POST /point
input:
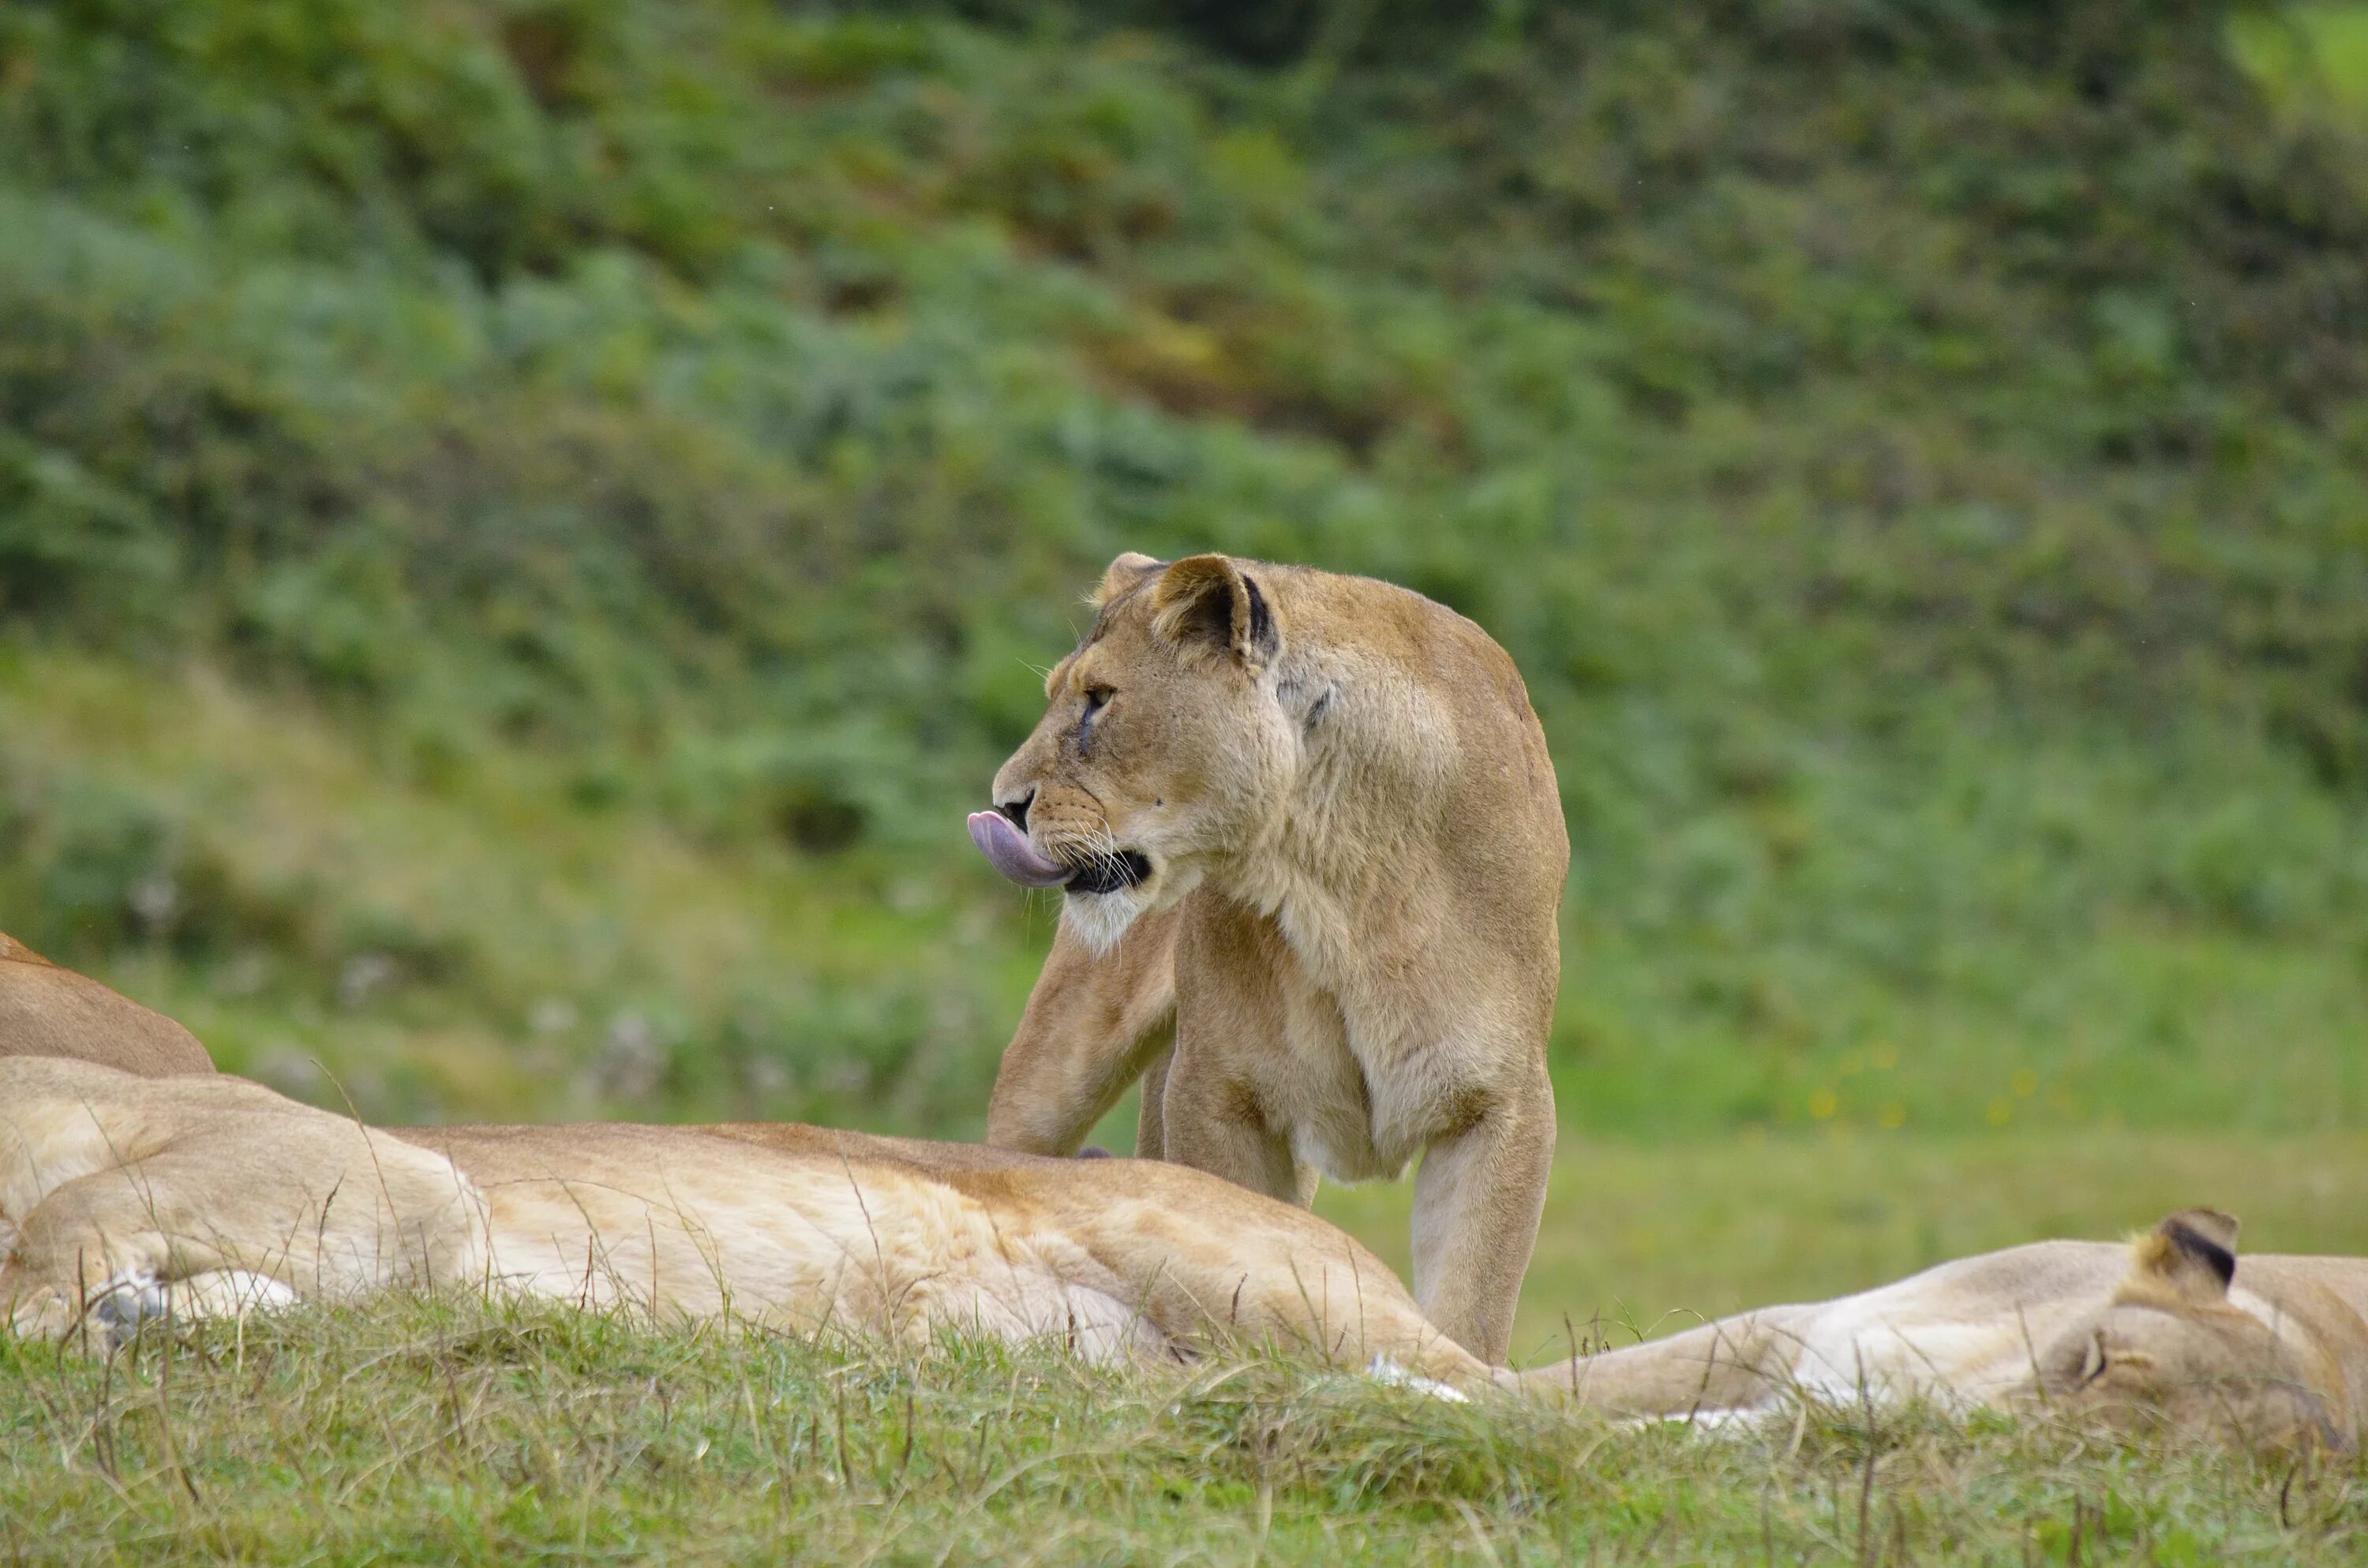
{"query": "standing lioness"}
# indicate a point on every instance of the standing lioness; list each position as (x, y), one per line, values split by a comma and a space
(1314, 816)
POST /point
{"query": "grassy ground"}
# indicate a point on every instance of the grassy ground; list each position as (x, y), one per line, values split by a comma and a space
(434, 1433)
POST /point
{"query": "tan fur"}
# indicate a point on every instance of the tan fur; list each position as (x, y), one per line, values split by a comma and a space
(1356, 861)
(135, 1196)
(46, 1010)
(2147, 1332)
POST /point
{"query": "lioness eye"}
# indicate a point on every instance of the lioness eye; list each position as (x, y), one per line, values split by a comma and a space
(2093, 1366)
(1096, 697)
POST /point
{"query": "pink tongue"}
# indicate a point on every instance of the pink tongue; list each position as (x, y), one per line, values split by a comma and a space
(1011, 854)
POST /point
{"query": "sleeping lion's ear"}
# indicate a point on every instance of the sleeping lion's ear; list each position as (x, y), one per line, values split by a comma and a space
(1124, 573)
(2192, 1254)
(1208, 600)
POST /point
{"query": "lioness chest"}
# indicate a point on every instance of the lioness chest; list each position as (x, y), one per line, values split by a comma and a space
(1360, 1084)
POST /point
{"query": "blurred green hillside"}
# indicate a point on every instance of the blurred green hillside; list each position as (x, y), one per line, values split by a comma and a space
(523, 523)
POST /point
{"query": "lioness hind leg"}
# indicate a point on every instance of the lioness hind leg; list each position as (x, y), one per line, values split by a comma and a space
(178, 1234)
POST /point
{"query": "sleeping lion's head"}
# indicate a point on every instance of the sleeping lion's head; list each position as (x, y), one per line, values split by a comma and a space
(2170, 1348)
(1163, 745)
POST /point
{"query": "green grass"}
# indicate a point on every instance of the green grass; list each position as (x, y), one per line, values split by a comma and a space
(520, 947)
(457, 1434)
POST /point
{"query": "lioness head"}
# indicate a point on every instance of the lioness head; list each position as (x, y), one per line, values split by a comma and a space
(2169, 1347)
(1163, 745)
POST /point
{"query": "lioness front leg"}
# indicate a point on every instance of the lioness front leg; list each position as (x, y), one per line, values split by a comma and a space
(1093, 1024)
(1736, 1365)
(1476, 1205)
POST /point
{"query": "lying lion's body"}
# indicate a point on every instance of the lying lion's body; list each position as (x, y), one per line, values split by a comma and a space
(46, 1010)
(199, 1195)
(1315, 815)
(2278, 1349)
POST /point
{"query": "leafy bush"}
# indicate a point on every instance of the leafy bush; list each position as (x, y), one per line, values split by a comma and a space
(1912, 451)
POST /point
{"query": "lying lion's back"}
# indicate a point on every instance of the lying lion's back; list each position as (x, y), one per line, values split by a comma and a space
(799, 1226)
(49, 1010)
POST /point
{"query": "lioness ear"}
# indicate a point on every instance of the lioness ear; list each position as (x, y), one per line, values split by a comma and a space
(2192, 1254)
(1124, 573)
(1207, 599)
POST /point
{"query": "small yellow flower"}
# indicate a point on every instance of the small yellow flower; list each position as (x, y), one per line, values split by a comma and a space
(1822, 1104)
(2025, 1083)
(2001, 1111)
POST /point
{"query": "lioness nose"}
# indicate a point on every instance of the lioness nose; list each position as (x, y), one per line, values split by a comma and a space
(1018, 809)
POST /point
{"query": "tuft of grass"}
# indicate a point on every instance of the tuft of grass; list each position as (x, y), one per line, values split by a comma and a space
(454, 1432)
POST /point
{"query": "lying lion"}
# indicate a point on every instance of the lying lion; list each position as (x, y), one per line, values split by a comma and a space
(2161, 1326)
(1312, 816)
(134, 1198)
(131, 1196)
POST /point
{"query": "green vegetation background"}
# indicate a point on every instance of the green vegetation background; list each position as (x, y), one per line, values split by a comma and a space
(525, 523)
